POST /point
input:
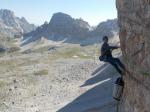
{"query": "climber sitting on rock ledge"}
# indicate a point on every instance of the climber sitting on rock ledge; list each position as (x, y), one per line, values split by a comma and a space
(106, 56)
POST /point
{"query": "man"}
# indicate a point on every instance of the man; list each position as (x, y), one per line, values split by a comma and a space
(106, 56)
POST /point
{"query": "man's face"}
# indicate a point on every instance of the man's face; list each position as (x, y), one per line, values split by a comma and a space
(105, 40)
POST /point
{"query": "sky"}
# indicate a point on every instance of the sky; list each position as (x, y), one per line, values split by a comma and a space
(39, 11)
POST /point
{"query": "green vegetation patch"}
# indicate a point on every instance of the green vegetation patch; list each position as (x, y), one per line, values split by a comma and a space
(2, 83)
(41, 72)
(70, 52)
(14, 49)
(41, 49)
(146, 73)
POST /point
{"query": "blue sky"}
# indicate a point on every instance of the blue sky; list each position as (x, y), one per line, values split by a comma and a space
(38, 11)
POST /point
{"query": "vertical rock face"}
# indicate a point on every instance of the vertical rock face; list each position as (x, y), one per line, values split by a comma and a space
(134, 22)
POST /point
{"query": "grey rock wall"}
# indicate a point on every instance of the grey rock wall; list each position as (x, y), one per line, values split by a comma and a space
(134, 22)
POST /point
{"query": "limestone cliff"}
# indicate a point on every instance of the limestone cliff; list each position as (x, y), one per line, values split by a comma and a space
(134, 22)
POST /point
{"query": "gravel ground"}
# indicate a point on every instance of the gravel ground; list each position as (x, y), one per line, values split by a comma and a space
(35, 82)
(26, 92)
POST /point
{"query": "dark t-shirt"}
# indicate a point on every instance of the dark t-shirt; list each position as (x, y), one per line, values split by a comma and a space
(106, 50)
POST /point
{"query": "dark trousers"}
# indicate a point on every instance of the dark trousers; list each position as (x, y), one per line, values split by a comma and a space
(115, 62)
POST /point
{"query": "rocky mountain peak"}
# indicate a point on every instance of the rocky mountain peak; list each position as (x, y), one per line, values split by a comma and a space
(46, 23)
(8, 17)
(60, 15)
(11, 25)
(60, 19)
(5, 12)
(23, 19)
(83, 23)
(65, 19)
(64, 25)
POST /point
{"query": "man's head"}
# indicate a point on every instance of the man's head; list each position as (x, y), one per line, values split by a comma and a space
(105, 39)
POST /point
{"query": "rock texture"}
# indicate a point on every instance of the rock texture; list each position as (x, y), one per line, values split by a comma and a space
(63, 27)
(11, 25)
(134, 22)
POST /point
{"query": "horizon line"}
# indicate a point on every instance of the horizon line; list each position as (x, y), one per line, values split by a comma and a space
(39, 24)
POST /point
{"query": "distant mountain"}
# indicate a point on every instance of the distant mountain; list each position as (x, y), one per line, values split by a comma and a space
(109, 28)
(11, 25)
(60, 27)
(106, 28)
(64, 27)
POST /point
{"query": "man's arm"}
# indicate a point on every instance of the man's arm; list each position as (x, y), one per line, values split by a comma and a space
(108, 47)
(113, 47)
(105, 48)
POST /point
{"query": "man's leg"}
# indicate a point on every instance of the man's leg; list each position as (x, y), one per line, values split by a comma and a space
(114, 64)
(120, 63)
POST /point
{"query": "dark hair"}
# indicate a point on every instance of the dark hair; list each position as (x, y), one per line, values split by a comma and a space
(105, 37)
